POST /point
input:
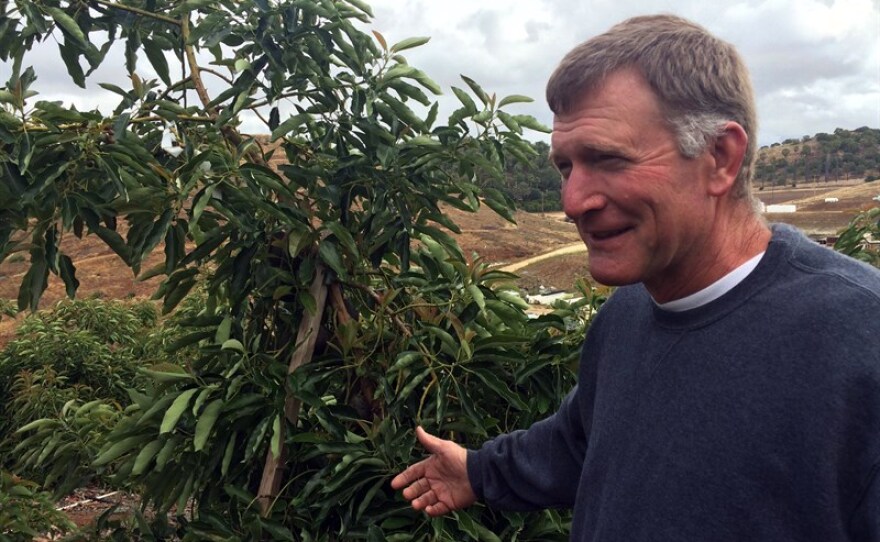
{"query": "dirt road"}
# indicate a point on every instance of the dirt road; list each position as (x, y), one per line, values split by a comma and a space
(567, 249)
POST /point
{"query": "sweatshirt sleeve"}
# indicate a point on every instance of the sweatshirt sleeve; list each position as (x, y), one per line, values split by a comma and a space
(532, 469)
(864, 526)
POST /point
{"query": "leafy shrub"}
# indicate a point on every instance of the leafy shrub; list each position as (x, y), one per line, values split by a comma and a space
(854, 239)
(26, 512)
(450, 347)
(78, 351)
(60, 450)
(7, 308)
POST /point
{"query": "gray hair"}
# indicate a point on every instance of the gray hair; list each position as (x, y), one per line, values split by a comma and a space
(695, 132)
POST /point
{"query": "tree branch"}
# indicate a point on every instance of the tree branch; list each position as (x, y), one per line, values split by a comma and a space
(143, 12)
(219, 75)
(195, 70)
(380, 300)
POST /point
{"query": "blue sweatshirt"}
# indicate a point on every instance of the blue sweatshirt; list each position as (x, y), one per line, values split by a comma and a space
(754, 417)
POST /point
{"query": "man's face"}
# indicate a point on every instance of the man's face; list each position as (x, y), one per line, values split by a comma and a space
(641, 207)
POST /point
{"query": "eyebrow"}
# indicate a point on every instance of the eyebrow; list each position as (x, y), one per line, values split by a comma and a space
(595, 148)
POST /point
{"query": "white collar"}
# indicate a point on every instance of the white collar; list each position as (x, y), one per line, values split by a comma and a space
(715, 290)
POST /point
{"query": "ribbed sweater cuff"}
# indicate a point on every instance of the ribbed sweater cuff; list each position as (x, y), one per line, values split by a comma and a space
(474, 468)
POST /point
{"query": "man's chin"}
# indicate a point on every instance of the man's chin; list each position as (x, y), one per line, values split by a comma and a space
(608, 277)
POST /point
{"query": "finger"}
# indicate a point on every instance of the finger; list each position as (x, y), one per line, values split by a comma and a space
(425, 500)
(431, 443)
(437, 509)
(410, 475)
(419, 488)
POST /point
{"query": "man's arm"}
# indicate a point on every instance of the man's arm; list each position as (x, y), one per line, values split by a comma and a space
(524, 470)
(864, 525)
(533, 469)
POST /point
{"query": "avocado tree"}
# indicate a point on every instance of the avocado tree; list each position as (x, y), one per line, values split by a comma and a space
(335, 311)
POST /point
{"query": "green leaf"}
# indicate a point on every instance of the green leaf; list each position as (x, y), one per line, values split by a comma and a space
(528, 121)
(223, 330)
(206, 422)
(117, 449)
(409, 43)
(402, 111)
(115, 89)
(432, 115)
(510, 122)
(469, 105)
(165, 453)
(145, 456)
(498, 386)
(297, 239)
(399, 70)
(68, 274)
(466, 523)
(276, 530)
(289, 125)
(497, 202)
(69, 26)
(227, 455)
(37, 424)
(275, 443)
(233, 344)
(514, 98)
(485, 534)
(70, 56)
(363, 6)
(330, 256)
(344, 237)
(34, 282)
(110, 237)
(477, 295)
(167, 373)
(176, 410)
(427, 82)
(176, 295)
(483, 116)
(156, 56)
(478, 90)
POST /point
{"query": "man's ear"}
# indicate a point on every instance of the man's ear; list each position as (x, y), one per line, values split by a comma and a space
(728, 151)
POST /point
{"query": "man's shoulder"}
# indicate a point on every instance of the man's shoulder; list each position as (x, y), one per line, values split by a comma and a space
(824, 264)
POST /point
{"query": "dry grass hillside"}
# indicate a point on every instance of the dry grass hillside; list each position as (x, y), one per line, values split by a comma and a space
(815, 215)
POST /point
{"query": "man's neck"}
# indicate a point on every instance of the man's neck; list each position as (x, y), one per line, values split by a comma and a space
(730, 245)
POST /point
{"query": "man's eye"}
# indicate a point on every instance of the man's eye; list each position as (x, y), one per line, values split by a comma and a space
(610, 160)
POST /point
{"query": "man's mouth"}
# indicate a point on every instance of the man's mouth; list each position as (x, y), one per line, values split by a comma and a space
(607, 234)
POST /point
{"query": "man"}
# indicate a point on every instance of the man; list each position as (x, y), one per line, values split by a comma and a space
(730, 389)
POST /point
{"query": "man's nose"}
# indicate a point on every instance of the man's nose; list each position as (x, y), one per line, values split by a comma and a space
(580, 194)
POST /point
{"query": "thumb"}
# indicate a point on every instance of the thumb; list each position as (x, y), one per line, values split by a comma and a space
(431, 443)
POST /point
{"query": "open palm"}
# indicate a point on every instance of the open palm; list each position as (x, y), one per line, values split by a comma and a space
(438, 484)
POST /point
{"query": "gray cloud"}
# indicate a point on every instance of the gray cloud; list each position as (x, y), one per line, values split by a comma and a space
(815, 64)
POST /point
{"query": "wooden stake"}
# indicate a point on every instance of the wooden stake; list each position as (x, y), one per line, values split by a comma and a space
(306, 336)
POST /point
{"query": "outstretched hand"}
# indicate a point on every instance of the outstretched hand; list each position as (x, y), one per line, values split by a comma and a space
(438, 484)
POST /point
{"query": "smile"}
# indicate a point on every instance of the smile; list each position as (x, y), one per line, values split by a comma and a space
(608, 234)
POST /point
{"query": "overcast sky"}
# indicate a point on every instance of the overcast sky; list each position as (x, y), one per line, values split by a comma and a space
(815, 64)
